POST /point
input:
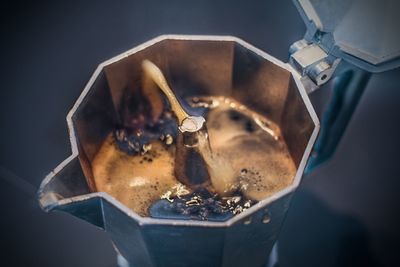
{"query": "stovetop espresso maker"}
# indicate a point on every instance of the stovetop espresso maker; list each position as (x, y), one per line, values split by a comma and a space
(345, 41)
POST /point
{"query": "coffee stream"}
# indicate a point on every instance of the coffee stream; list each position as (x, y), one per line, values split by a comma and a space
(246, 157)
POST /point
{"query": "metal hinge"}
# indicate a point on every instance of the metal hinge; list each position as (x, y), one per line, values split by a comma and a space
(312, 63)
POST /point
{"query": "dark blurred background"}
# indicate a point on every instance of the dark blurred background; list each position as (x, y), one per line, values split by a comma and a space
(346, 213)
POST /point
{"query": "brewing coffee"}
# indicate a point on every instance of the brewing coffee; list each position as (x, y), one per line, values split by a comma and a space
(166, 163)
(246, 144)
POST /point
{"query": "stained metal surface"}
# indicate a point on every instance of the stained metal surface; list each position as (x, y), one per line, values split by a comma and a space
(208, 65)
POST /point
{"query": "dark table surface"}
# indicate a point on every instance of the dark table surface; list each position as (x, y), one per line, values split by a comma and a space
(344, 214)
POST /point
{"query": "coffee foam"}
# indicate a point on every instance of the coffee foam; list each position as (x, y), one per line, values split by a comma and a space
(247, 153)
(257, 155)
(136, 181)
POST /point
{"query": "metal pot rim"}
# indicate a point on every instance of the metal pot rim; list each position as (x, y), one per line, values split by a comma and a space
(152, 221)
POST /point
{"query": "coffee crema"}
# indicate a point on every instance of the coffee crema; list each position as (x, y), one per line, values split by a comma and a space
(246, 150)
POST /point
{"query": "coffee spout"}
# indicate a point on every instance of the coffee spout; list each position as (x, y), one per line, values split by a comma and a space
(190, 167)
(195, 164)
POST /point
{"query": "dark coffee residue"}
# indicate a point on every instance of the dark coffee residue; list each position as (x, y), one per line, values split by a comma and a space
(201, 205)
(134, 140)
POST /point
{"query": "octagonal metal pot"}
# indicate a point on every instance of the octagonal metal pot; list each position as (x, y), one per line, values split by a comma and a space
(194, 65)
